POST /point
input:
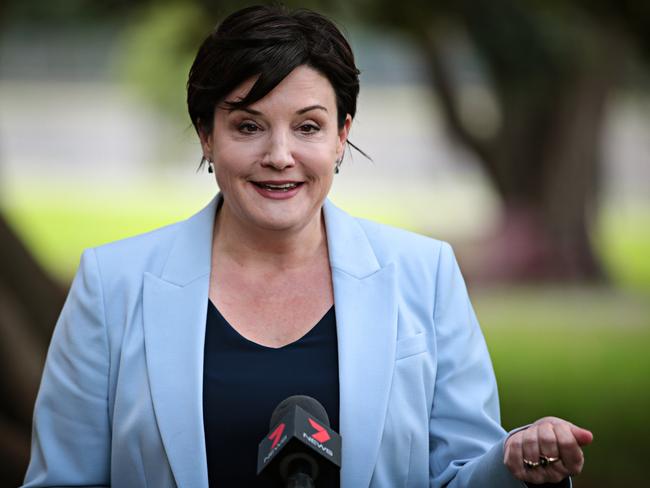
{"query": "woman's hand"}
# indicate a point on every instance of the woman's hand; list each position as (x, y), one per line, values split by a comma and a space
(547, 451)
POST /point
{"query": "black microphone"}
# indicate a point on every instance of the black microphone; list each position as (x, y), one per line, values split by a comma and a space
(300, 446)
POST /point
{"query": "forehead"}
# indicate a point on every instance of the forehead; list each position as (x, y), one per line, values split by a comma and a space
(302, 87)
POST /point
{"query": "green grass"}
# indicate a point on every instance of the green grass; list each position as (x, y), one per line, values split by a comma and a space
(623, 242)
(58, 225)
(580, 355)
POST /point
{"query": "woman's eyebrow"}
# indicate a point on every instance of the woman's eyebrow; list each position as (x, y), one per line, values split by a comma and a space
(311, 107)
(299, 112)
(248, 110)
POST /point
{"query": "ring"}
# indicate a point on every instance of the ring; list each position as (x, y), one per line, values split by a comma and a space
(530, 464)
(545, 460)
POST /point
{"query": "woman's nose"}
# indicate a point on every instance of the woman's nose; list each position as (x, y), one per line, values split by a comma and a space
(278, 154)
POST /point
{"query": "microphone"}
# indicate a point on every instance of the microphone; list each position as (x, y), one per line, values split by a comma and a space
(300, 445)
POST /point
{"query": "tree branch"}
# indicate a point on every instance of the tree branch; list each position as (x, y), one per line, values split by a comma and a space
(444, 86)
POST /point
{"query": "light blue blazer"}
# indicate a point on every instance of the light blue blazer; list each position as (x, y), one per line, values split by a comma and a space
(120, 401)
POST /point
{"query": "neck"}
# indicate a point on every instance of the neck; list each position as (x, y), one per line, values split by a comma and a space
(268, 248)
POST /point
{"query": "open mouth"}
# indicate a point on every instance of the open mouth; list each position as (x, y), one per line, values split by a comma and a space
(279, 187)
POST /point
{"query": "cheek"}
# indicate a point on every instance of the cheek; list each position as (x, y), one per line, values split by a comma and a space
(223, 181)
(317, 157)
(236, 153)
(230, 165)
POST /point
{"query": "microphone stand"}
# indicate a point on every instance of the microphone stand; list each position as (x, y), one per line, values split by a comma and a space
(300, 480)
(300, 476)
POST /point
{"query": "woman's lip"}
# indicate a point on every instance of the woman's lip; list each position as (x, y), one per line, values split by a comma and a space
(276, 182)
(277, 194)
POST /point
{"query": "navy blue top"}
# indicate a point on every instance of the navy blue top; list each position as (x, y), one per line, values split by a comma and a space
(244, 381)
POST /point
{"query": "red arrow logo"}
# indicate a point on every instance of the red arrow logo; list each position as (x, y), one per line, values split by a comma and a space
(276, 434)
(321, 434)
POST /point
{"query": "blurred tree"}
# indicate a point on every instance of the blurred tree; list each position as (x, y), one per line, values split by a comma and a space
(29, 304)
(30, 299)
(523, 85)
(531, 110)
(17, 389)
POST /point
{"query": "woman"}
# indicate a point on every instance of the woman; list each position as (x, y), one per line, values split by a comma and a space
(174, 346)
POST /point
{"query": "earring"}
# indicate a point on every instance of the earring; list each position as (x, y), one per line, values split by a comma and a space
(210, 164)
(337, 166)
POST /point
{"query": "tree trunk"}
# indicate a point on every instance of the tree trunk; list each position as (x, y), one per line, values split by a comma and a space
(544, 163)
(29, 304)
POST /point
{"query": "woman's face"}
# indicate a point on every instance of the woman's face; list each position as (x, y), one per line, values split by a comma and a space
(274, 160)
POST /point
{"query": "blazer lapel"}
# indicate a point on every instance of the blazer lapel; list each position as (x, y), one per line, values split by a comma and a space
(366, 317)
(174, 315)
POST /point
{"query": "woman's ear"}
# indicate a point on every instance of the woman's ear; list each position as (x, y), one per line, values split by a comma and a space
(344, 132)
(206, 141)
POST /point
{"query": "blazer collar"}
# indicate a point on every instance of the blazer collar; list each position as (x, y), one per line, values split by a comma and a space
(348, 245)
(175, 308)
(190, 256)
(191, 252)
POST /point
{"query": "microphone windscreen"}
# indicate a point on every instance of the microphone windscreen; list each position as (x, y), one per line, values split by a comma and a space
(307, 403)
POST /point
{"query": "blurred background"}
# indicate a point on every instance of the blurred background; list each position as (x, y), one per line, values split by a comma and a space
(517, 131)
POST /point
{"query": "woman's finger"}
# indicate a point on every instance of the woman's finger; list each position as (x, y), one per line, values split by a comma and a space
(583, 436)
(530, 448)
(513, 455)
(556, 470)
(570, 451)
(547, 440)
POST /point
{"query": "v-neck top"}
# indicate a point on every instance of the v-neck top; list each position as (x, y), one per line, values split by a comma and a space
(244, 381)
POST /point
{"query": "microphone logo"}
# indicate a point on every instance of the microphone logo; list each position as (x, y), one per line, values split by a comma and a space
(321, 434)
(277, 434)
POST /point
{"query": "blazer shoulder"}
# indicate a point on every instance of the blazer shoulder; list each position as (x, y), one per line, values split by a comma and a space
(139, 253)
(399, 245)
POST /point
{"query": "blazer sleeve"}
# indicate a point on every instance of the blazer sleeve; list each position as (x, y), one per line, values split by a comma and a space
(465, 434)
(71, 434)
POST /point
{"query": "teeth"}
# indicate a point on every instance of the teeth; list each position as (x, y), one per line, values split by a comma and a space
(285, 187)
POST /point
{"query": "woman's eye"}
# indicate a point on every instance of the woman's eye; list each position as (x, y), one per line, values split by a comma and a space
(248, 128)
(308, 128)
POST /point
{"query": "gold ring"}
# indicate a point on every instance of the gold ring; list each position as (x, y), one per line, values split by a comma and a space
(530, 464)
(545, 460)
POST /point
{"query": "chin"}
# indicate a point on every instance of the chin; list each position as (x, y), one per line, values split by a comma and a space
(284, 220)
(281, 223)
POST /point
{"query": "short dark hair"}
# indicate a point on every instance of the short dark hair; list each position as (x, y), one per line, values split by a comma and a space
(269, 41)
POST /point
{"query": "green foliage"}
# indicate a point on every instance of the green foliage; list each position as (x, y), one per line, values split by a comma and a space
(157, 51)
(65, 12)
(161, 40)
